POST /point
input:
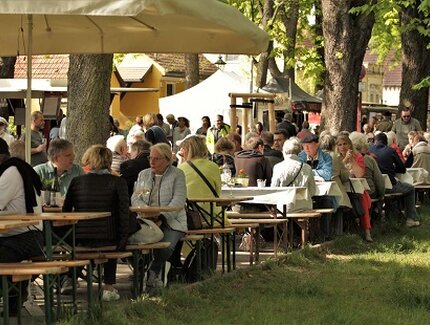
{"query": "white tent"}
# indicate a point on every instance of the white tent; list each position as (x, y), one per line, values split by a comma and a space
(209, 97)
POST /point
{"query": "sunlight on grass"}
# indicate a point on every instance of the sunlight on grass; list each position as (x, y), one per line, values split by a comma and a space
(345, 282)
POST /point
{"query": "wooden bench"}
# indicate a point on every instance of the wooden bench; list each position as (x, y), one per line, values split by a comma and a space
(254, 215)
(302, 220)
(395, 200)
(12, 273)
(225, 245)
(254, 232)
(266, 221)
(140, 259)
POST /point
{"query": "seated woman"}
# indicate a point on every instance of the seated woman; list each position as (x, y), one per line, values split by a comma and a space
(100, 191)
(354, 162)
(372, 172)
(340, 175)
(119, 149)
(166, 185)
(421, 155)
(195, 152)
(224, 150)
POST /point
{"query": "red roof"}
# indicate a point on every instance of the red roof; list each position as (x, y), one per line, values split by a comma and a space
(44, 67)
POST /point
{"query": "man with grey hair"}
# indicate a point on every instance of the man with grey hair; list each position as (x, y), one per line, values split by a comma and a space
(61, 155)
(291, 171)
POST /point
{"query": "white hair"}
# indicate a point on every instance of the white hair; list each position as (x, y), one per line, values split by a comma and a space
(115, 142)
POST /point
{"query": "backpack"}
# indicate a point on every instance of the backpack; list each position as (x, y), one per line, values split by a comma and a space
(208, 260)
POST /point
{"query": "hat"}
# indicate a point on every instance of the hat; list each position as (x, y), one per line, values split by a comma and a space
(182, 117)
(4, 148)
(179, 142)
(3, 121)
(309, 138)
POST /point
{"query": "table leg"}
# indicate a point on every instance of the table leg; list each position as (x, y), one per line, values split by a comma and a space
(5, 293)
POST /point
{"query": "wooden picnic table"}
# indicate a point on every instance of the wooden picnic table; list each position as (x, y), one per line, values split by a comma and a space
(54, 219)
(6, 225)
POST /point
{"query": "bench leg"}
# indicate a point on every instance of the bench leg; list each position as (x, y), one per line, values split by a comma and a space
(5, 293)
(47, 288)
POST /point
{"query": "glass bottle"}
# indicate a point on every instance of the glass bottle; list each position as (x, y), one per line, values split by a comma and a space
(55, 187)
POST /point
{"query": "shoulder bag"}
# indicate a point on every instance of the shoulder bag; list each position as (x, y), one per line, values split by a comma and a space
(355, 198)
(194, 217)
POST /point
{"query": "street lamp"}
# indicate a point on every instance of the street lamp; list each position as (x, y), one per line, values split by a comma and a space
(220, 63)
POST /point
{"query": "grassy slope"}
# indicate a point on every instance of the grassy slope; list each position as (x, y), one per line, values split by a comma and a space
(350, 282)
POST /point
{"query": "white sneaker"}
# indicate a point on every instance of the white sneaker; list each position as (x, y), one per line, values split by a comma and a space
(412, 223)
(110, 295)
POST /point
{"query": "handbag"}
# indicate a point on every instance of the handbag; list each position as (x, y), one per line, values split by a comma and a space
(355, 198)
(194, 218)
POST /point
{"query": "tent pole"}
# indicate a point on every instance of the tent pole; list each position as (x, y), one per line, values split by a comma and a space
(29, 87)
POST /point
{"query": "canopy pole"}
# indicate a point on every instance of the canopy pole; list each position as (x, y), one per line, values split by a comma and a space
(29, 87)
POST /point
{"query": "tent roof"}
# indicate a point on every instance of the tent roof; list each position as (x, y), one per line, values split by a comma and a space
(210, 97)
(282, 85)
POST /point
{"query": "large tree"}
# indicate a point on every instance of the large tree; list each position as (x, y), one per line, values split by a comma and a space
(346, 36)
(89, 79)
(415, 60)
(192, 77)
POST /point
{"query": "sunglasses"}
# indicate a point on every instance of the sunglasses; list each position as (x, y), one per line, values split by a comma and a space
(406, 116)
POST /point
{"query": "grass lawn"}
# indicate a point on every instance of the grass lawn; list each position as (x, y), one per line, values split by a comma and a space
(347, 282)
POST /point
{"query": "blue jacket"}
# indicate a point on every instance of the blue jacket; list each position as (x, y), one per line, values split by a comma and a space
(388, 161)
(324, 168)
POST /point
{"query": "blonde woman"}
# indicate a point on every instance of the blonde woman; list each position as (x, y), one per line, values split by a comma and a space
(354, 162)
(195, 152)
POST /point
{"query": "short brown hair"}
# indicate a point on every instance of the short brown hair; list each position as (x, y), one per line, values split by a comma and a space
(97, 157)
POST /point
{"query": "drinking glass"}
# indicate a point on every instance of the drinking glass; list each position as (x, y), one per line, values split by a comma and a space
(142, 190)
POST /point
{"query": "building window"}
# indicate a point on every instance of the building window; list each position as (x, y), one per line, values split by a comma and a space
(170, 89)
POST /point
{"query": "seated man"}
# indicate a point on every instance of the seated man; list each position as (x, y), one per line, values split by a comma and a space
(322, 167)
(253, 162)
(390, 163)
(61, 156)
(274, 156)
(20, 188)
(291, 171)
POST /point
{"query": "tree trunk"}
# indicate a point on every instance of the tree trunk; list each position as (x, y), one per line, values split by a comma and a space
(318, 41)
(290, 17)
(415, 65)
(7, 70)
(192, 77)
(89, 79)
(346, 37)
(263, 64)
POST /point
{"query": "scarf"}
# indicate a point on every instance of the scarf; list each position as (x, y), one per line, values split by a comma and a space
(30, 179)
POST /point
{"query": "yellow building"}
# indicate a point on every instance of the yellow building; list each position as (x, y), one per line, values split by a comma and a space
(165, 72)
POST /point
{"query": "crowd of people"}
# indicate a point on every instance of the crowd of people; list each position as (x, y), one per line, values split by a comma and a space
(161, 164)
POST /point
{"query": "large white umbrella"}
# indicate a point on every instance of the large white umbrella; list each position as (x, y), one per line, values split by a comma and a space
(121, 26)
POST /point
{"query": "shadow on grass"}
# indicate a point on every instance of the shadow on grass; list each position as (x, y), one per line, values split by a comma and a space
(346, 282)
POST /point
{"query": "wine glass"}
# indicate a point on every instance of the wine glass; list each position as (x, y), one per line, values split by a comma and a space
(142, 190)
(226, 176)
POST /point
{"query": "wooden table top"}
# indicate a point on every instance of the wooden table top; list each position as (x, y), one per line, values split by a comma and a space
(222, 200)
(6, 225)
(154, 210)
(57, 216)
